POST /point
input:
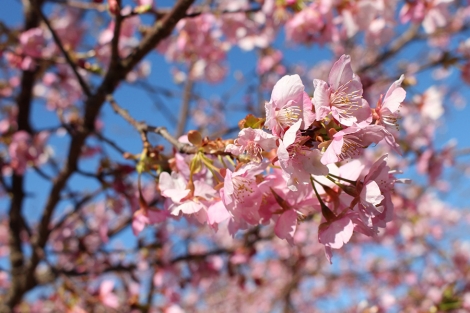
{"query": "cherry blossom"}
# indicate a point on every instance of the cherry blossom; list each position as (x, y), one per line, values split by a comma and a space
(342, 97)
(289, 103)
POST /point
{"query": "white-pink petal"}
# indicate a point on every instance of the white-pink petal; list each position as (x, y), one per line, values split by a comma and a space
(286, 226)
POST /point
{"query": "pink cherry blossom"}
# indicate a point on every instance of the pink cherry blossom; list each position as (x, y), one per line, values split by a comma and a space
(252, 142)
(432, 13)
(106, 294)
(32, 42)
(312, 24)
(297, 161)
(183, 199)
(388, 109)
(289, 103)
(241, 194)
(375, 204)
(286, 226)
(24, 150)
(342, 96)
(350, 142)
(334, 234)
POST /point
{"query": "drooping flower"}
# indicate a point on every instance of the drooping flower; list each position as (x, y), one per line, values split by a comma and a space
(341, 96)
(337, 232)
(374, 202)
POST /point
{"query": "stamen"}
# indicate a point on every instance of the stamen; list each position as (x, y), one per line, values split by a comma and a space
(391, 120)
(241, 188)
(346, 102)
(287, 116)
(351, 147)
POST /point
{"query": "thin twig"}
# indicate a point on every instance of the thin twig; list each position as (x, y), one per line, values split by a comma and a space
(72, 64)
(395, 46)
(184, 110)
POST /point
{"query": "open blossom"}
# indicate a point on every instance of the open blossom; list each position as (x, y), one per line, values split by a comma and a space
(375, 200)
(184, 200)
(252, 142)
(269, 61)
(297, 161)
(289, 104)
(306, 26)
(350, 142)
(241, 194)
(341, 96)
(387, 111)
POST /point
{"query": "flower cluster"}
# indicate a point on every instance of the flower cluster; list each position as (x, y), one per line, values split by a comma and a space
(298, 170)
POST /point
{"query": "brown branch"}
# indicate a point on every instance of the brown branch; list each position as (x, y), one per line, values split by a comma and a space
(115, 41)
(139, 126)
(160, 30)
(143, 129)
(93, 104)
(16, 220)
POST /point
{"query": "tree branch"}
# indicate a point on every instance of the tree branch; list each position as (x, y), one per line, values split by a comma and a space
(93, 105)
(16, 220)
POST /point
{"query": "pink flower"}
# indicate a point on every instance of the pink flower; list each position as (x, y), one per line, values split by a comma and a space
(298, 161)
(387, 111)
(241, 194)
(312, 24)
(375, 205)
(183, 199)
(351, 142)
(289, 104)
(286, 226)
(334, 234)
(142, 218)
(268, 61)
(342, 96)
(252, 142)
(23, 150)
(217, 213)
(33, 42)
(173, 187)
(106, 294)
(432, 13)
